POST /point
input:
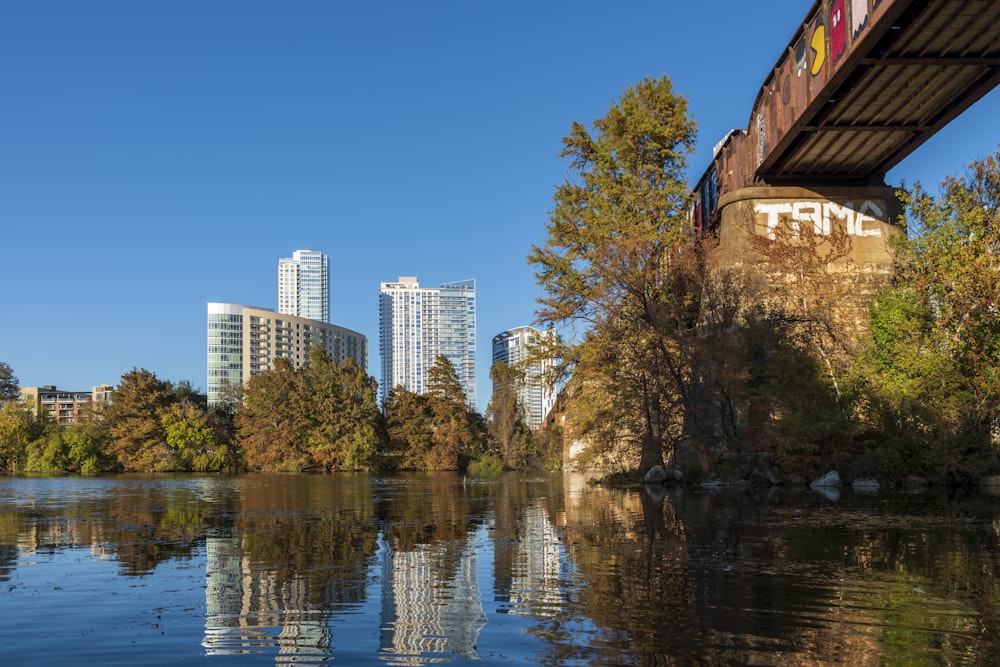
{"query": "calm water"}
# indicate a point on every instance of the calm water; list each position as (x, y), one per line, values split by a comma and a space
(429, 569)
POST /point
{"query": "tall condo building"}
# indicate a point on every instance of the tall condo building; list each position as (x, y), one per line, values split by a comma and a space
(304, 285)
(244, 341)
(535, 394)
(416, 324)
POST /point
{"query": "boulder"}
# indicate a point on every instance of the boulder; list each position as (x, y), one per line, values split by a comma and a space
(865, 485)
(831, 478)
(656, 475)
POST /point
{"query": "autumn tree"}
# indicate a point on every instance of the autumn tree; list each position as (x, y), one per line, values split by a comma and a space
(273, 420)
(133, 420)
(450, 416)
(797, 258)
(409, 429)
(618, 226)
(505, 412)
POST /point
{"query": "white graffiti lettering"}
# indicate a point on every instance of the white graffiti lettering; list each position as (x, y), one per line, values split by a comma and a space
(858, 220)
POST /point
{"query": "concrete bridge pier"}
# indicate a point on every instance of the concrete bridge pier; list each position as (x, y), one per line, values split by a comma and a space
(832, 242)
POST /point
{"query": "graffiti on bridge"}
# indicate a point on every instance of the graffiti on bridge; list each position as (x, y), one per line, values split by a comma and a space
(858, 220)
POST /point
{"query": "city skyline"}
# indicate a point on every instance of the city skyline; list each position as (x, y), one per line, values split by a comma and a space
(161, 156)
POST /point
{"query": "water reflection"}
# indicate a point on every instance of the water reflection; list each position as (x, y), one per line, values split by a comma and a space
(424, 569)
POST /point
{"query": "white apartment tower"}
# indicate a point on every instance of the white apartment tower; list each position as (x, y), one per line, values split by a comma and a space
(304, 285)
(536, 395)
(416, 324)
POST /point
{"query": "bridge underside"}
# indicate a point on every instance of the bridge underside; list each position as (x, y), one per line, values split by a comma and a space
(923, 64)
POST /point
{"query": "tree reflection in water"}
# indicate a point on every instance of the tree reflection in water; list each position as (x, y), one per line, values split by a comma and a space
(416, 569)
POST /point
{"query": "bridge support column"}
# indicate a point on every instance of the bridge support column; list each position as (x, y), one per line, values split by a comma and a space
(836, 239)
(790, 280)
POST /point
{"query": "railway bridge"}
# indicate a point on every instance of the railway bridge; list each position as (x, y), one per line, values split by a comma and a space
(860, 85)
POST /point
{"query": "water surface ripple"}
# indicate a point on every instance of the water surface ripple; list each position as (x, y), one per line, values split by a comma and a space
(428, 569)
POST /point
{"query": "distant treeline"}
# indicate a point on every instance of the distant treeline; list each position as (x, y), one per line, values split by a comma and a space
(322, 417)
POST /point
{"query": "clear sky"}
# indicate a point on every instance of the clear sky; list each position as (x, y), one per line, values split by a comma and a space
(157, 155)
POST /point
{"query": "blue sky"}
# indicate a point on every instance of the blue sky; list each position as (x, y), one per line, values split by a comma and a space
(159, 155)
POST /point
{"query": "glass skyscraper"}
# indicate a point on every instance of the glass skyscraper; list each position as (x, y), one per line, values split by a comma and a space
(536, 394)
(304, 285)
(416, 324)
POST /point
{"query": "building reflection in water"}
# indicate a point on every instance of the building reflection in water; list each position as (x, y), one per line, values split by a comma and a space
(251, 611)
(529, 564)
(431, 606)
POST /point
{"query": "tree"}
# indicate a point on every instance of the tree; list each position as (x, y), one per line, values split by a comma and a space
(443, 381)
(185, 392)
(910, 391)
(8, 383)
(615, 236)
(450, 418)
(344, 416)
(87, 449)
(273, 420)
(409, 429)
(932, 370)
(134, 422)
(504, 412)
(16, 431)
(192, 440)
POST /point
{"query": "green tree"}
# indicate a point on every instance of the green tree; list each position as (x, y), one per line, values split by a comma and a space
(610, 263)
(508, 433)
(192, 440)
(134, 422)
(932, 372)
(272, 422)
(344, 431)
(910, 391)
(185, 392)
(8, 383)
(16, 431)
(87, 449)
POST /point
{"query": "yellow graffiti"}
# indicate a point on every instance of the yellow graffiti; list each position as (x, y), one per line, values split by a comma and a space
(818, 45)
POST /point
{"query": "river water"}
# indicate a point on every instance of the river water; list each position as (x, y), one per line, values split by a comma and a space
(521, 570)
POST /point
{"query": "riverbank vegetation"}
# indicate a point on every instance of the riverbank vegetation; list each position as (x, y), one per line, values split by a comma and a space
(322, 417)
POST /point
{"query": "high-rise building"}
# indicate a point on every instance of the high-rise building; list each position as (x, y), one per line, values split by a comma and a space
(536, 393)
(244, 341)
(304, 285)
(416, 324)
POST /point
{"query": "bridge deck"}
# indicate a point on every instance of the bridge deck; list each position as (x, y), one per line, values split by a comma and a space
(860, 86)
(919, 67)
